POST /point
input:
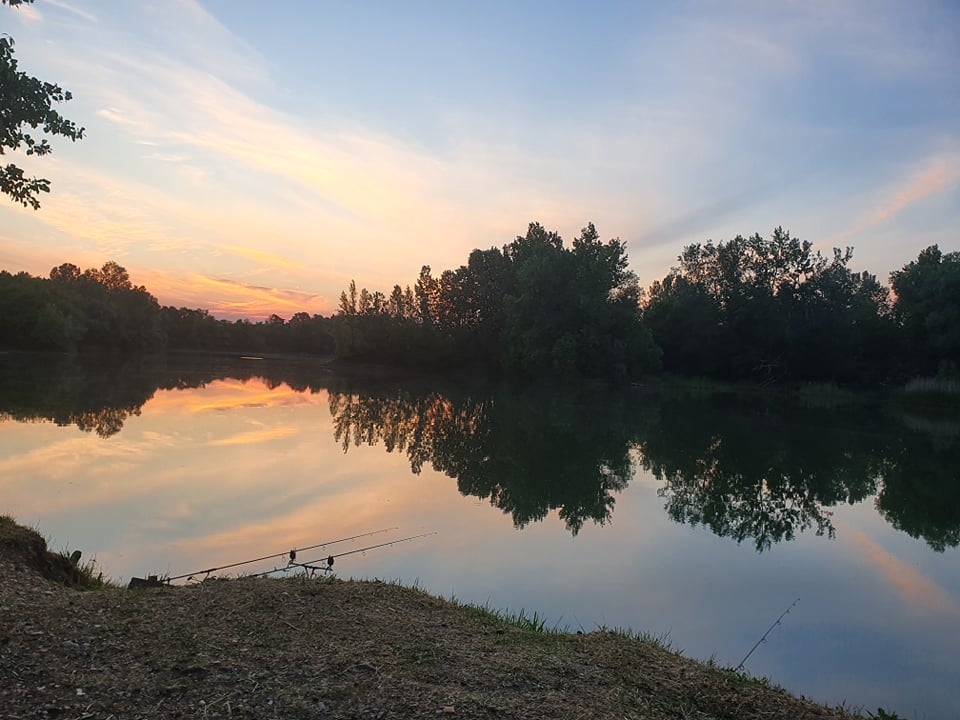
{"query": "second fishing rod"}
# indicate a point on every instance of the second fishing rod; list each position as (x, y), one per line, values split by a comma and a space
(326, 564)
(292, 554)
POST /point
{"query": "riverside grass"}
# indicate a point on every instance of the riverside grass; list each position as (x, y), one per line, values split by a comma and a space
(329, 648)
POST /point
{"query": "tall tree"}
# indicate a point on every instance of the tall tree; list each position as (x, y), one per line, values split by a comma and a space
(426, 291)
(574, 312)
(928, 309)
(27, 103)
(769, 309)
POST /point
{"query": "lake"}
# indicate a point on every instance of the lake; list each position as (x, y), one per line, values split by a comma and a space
(699, 517)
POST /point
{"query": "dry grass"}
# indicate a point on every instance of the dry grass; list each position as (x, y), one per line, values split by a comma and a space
(298, 648)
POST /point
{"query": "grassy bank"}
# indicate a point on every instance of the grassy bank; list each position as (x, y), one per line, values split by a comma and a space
(298, 648)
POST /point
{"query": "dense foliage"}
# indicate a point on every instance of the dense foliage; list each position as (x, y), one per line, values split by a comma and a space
(772, 309)
(102, 309)
(531, 310)
(74, 309)
(27, 103)
(751, 309)
(928, 309)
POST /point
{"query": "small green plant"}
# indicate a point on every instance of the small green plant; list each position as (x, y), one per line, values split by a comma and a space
(88, 575)
(745, 678)
(534, 623)
(661, 641)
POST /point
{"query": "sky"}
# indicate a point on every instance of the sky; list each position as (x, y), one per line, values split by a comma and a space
(253, 157)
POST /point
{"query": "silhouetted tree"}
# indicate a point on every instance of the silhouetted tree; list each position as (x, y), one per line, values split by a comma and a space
(928, 309)
(574, 312)
(768, 310)
(25, 103)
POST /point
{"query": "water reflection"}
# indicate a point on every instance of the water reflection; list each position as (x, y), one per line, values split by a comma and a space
(751, 473)
(920, 492)
(97, 397)
(753, 469)
(735, 465)
(527, 455)
(98, 393)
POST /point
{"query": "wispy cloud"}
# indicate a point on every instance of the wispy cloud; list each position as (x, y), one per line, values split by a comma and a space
(255, 437)
(210, 156)
(933, 176)
(124, 120)
(232, 298)
(263, 258)
(28, 13)
(61, 460)
(125, 225)
(938, 175)
(918, 592)
(82, 14)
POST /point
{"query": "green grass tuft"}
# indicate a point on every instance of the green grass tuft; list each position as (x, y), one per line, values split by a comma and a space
(89, 576)
(661, 641)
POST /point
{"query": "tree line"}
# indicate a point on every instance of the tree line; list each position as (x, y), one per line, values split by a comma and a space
(101, 309)
(532, 309)
(749, 309)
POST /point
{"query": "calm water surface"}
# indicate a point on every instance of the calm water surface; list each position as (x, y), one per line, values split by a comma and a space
(698, 518)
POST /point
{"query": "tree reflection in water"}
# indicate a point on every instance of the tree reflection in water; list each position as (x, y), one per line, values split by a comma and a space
(920, 492)
(747, 472)
(753, 468)
(527, 454)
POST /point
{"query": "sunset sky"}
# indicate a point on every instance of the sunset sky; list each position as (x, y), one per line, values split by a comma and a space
(253, 157)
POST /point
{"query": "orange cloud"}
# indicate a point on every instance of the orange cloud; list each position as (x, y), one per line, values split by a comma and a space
(232, 299)
(63, 459)
(28, 13)
(256, 436)
(936, 175)
(927, 182)
(262, 257)
(917, 591)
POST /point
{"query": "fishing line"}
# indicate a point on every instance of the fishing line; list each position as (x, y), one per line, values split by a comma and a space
(291, 553)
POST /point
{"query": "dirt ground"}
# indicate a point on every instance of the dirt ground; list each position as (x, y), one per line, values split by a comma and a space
(301, 648)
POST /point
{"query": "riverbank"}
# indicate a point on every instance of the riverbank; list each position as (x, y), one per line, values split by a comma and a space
(300, 648)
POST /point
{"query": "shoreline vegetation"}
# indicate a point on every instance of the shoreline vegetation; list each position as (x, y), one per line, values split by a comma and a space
(314, 648)
(752, 310)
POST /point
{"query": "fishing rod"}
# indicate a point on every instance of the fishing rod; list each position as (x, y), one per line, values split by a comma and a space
(291, 553)
(763, 638)
(328, 561)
